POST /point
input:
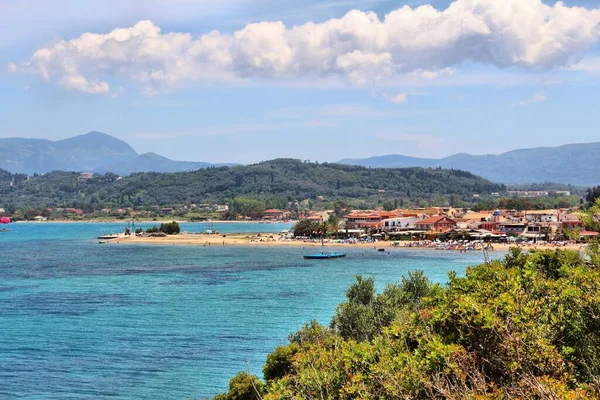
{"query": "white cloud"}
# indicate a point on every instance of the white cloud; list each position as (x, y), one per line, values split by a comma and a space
(78, 82)
(536, 98)
(591, 65)
(400, 98)
(360, 47)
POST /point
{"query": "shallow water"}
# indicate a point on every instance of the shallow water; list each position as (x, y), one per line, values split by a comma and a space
(83, 321)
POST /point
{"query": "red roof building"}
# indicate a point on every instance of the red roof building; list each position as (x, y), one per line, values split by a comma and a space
(364, 219)
(274, 214)
(436, 224)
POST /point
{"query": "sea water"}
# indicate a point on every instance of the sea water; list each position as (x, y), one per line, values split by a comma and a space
(80, 320)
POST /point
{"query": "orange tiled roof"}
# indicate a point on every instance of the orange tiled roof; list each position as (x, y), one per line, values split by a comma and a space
(273, 211)
(431, 220)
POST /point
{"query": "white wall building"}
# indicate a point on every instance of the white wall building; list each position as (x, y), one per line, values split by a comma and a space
(541, 216)
(400, 224)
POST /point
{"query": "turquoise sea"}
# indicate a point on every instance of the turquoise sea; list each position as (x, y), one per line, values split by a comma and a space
(79, 320)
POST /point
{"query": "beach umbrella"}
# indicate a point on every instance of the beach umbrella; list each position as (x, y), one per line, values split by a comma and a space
(4, 220)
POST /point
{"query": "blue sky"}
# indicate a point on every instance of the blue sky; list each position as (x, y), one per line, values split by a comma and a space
(428, 83)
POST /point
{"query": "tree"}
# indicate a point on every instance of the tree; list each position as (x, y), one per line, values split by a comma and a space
(353, 319)
(31, 213)
(279, 362)
(333, 223)
(306, 227)
(170, 228)
(388, 205)
(153, 229)
(243, 387)
(592, 195)
(340, 208)
(590, 217)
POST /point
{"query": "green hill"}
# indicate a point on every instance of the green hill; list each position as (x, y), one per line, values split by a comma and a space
(286, 179)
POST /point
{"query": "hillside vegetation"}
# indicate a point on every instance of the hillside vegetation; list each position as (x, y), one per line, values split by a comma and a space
(527, 327)
(284, 179)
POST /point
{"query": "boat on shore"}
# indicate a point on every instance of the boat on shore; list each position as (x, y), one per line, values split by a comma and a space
(108, 237)
(324, 256)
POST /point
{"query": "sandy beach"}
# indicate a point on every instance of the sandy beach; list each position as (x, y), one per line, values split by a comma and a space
(270, 240)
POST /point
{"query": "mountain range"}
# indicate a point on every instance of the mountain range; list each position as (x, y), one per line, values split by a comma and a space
(576, 164)
(92, 152)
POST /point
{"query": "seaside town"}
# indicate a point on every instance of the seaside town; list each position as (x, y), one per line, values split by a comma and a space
(424, 226)
(441, 228)
(450, 224)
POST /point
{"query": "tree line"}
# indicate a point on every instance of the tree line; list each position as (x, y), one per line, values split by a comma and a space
(249, 189)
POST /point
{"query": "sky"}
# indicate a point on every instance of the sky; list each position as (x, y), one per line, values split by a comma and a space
(250, 80)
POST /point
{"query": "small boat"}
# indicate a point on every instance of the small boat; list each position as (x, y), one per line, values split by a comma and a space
(382, 250)
(108, 237)
(324, 256)
(4, 230)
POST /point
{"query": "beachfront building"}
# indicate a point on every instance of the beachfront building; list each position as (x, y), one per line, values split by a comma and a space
(364, 219)
(274, 215)
(540, 230)
(400, 224)
(513, 227)
(436, 224)
(541, 216)
(482, 216)
(588, 235)
(570, 221)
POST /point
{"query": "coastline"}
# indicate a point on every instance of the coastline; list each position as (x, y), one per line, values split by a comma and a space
(272, 240)
(127, 221)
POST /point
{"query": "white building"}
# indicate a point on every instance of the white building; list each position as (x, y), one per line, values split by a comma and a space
(541, 216)
(221, 207)
(400, 224)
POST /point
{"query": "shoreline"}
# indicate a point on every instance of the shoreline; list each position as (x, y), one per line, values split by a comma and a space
(126, 222)
(273, 240)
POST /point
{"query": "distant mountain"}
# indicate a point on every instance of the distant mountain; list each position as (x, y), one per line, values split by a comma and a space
(94, 152)
(576, 164)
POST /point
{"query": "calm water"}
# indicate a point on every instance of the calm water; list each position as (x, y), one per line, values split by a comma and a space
(83, 321)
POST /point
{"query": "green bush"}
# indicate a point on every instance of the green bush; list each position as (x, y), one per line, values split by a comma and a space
(170, 228)
(526, 327)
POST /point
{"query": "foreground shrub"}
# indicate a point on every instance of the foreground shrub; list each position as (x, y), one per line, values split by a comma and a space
(526, 327)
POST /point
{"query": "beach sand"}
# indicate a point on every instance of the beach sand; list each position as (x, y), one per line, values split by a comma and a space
(269, 240)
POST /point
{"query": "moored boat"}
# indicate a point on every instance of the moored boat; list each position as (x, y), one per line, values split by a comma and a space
(324, 256)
